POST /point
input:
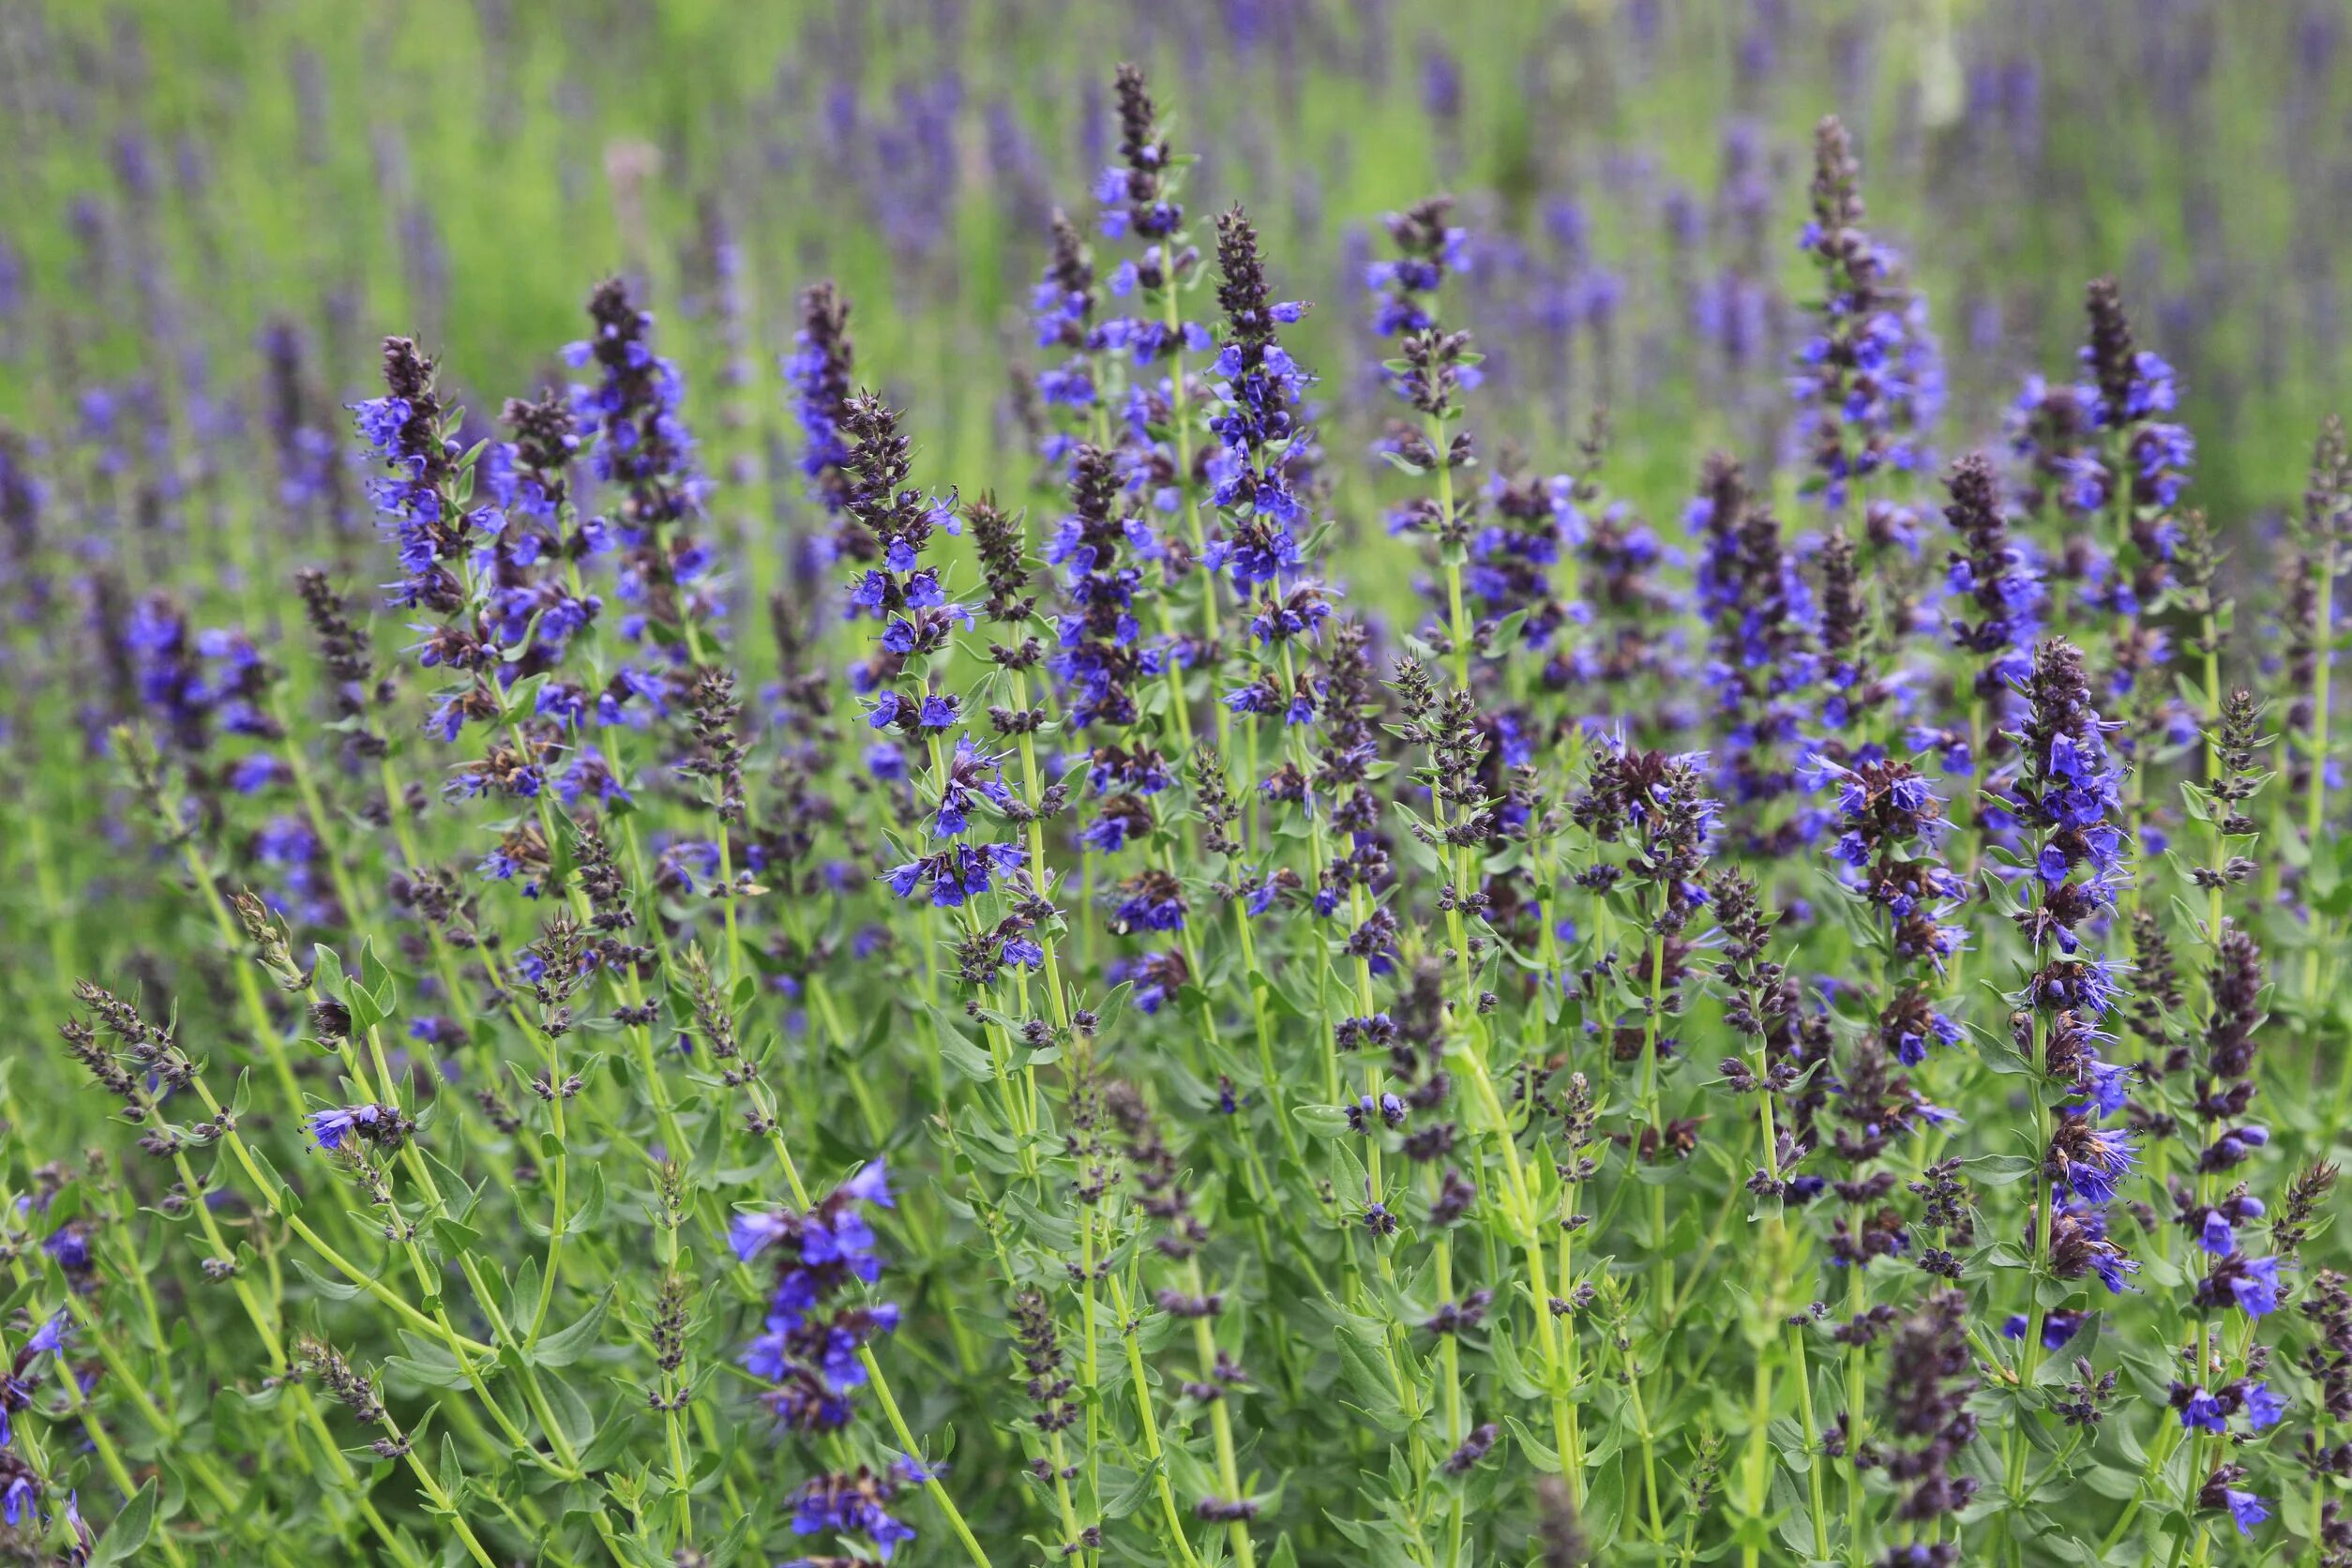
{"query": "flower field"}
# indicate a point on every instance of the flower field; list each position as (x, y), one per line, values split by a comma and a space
(1011, 782)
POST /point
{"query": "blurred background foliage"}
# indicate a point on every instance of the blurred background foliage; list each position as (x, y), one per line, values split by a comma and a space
(180, 172)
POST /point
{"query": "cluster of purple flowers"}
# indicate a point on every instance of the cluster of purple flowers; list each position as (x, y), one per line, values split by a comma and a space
(821, 370)
(20, 1484)
(337, 1128)
(2100, 445)
(1101, 548)
(1871, 379)
(1138, 196)
(409, 431)
(640, 444)
(20, 1491)
(1062, 310)
(1929, 1378)
(1532, 521)
(894, 525)
(1618, 629)
(1508, 556)
(453, 556)
(1659, 806)
(2063, 793)
(1763, 621)
(811, 1345)
(193, 684)
(530, 605)
(1891, 824)
(856, 1502)
(1256, 421)
(1429, 248)
(1996, 595)
(2216, 1220)
(310, 476)
(1154, 977)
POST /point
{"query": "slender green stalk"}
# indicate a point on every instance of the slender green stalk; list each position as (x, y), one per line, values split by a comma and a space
(2316, 788)
(1141, 1381)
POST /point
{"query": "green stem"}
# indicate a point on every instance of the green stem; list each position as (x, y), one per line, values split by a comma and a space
(1150, 1426)
(2315, 798)
(1857, 1304)
(1813, 1487)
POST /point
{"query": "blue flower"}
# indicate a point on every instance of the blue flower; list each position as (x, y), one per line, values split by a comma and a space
(1259, 895)
(2232, 1147)
(253, 774)
(955, 874)
(753, 1233)
(2099, 1162)
(2263, 1407)
(50, 1336)
(1250, 473)
(1107, 834)
(1155, 977)
(338, 1125)
(852, 1504)
(2110, 1086)
(2058, 1329)
(2257, 1287)
(1153, 903)
(2245, 1509)
(2202, 1410)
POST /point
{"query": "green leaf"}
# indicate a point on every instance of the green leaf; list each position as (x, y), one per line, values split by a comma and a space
(1998, 1054)
(615, 1439)
(1540, 1453)
(1293, 987)
(455, 1235)
(1322, 1121)
(523, 1294)
(376, 977)
(565, 1346)
(956, 1050)
(589, 1216)
(128, 1534)
(365, 1014)
(1124, 1490)
(333, 1289)
(523, 698)
(1510, 1369)
(571, 1413)
(1998, 1170)
(1368, 1380)
(2110, 1482)
(427, 1363)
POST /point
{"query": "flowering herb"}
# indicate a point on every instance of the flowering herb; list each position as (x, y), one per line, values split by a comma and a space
(681, 1005)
